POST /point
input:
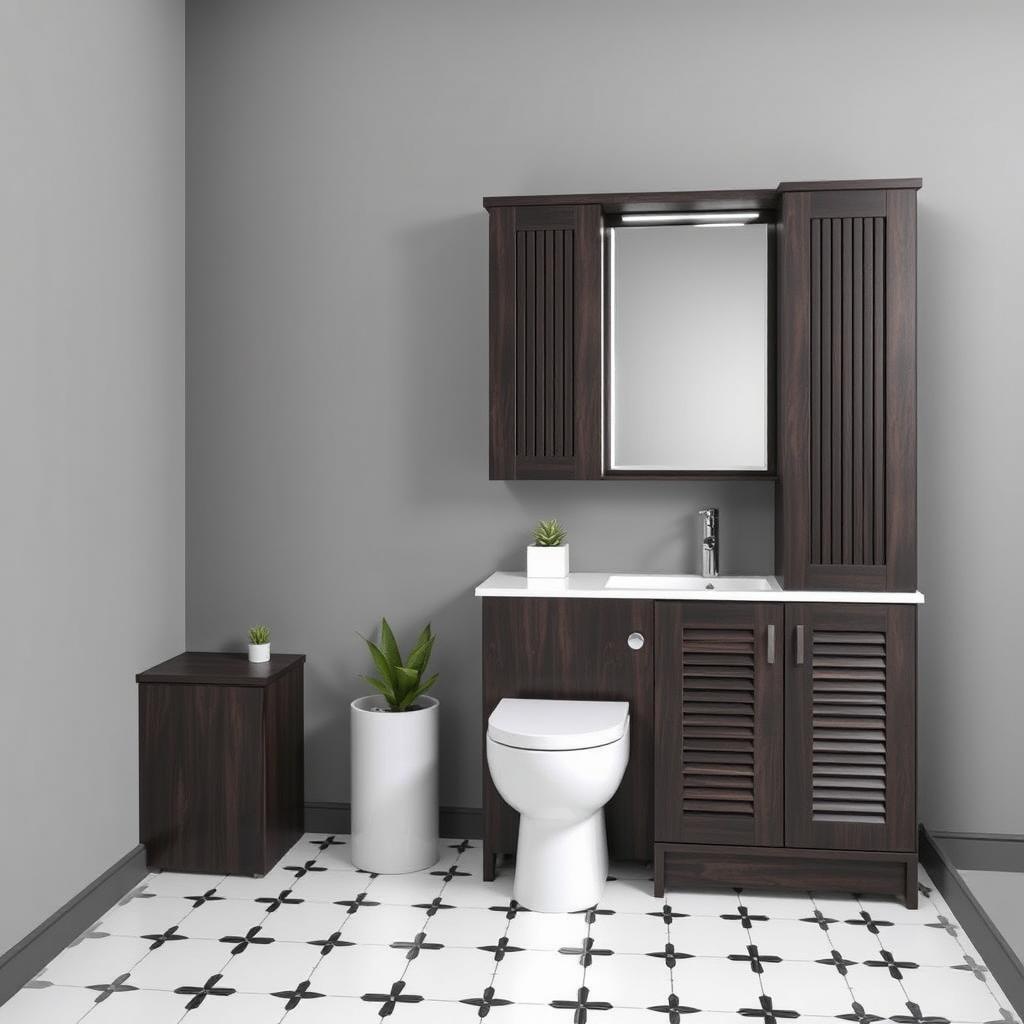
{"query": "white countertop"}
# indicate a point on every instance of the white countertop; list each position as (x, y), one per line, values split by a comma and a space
(595, 585)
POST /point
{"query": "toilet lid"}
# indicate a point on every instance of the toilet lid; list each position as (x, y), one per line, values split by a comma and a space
(557, 724)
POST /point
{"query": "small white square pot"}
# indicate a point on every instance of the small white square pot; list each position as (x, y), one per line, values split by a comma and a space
(547, 563)
(259, 652)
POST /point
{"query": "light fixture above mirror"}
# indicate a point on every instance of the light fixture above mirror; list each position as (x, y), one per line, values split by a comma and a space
(736, 218)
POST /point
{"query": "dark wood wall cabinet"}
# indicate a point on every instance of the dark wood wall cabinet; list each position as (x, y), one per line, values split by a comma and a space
(772, 743)
(842, 361)
(220, 762)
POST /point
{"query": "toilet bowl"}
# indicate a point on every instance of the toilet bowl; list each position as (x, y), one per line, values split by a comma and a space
(558, 762)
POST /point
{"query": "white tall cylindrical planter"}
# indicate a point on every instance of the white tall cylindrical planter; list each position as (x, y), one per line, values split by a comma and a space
(394, 786)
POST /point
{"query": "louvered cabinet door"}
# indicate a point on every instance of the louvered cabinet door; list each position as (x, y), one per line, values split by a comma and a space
(851, 727)
(847, 390)
(545, 347)
(719, 738)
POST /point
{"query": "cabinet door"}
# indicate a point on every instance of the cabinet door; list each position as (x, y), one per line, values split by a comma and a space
(719, 748)
(846, 498)
(201, 777)
(851, 726)
(572, 648)
(545, 348)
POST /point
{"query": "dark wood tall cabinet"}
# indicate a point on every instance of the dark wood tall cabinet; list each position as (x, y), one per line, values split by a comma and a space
(846, 516)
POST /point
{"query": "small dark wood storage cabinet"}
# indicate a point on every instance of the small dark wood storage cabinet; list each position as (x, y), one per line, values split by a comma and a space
(220, 762)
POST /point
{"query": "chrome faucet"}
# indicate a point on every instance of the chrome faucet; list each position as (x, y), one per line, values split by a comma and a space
(709, 542)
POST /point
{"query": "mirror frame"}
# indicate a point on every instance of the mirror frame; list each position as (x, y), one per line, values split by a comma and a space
(613, 220)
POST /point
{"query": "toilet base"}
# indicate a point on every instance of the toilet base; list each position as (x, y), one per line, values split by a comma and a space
(560, 867)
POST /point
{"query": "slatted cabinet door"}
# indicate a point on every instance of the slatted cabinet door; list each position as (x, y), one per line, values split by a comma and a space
(719, 745)
(850, 727)
(545, 342)
(847, 384)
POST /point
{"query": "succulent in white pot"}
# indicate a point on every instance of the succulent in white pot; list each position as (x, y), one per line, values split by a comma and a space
(394, 749)
(548, 556)
(259, 644)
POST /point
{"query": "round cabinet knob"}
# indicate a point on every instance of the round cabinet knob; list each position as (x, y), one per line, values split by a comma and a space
(635, 641)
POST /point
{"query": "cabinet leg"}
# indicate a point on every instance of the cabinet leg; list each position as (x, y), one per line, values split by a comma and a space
(910, 893)
(489, 859)
(659, 873)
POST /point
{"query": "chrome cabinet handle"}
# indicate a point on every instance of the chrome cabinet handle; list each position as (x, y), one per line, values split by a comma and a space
(635, 641)
(771, 645)
(799, 645)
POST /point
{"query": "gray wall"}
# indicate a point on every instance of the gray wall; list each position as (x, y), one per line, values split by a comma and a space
(338, 317)
(92, 424)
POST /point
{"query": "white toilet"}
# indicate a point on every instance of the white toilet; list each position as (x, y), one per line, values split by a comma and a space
(558, 762)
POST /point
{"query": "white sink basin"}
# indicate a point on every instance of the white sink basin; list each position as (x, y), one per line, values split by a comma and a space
(656, 581)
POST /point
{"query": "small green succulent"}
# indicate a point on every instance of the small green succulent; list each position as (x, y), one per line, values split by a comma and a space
(548, 533)
(259, 635)
(400, 681)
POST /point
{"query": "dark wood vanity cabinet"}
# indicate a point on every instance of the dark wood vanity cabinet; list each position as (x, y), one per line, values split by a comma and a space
(771, 743)
(846, 505)
(574, 649)
(785, 746)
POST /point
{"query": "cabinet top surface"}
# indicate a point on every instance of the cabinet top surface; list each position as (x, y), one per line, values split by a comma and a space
(652, 586)
(226, 669)
(711, 199)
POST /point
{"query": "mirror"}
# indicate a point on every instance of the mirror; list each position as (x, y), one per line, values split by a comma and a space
(687, 348)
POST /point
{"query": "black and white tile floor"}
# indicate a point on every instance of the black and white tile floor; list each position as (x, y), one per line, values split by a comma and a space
(317, 941)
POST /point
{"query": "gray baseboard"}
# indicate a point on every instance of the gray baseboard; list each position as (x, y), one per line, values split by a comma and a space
(982, 851)
(23, 961)
(939, 855)
(462, 822)
(458, 822)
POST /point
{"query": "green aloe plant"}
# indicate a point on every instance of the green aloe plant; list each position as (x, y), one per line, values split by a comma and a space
(259, 635)
(548, 533)
(400, 681)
